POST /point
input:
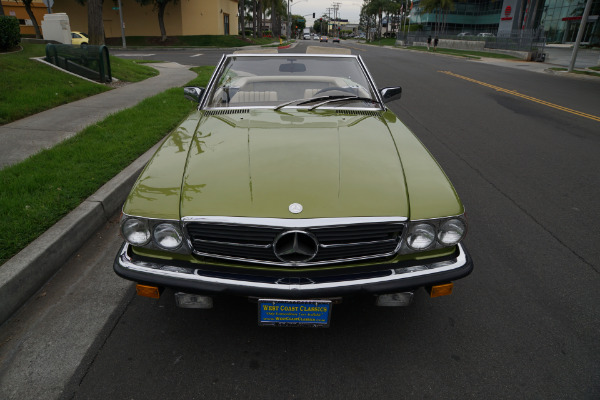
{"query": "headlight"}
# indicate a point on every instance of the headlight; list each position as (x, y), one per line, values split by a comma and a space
(136, 231)
(167, 236)
(421, 236)
(451, 232)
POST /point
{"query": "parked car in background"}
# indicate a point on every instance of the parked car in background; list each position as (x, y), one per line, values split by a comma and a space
(307, 36)
(463, 34)
(79, 38)
(316, 37)
(295, 186)
(336, 40)
(485, 34)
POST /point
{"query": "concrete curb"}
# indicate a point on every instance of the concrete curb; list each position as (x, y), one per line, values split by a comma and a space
(24, 274)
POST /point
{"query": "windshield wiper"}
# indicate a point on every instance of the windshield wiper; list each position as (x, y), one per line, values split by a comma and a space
(344, 98)
(309, 100)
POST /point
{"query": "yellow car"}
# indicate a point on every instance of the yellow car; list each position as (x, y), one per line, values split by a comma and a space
(79, 38)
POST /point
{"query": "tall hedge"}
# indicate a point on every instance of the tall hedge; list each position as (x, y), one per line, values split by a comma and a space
(10, 35)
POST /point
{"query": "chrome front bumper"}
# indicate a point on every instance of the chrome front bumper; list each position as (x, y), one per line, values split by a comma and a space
(389, 279)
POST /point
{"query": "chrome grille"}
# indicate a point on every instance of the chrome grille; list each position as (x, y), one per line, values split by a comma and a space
(254, 244)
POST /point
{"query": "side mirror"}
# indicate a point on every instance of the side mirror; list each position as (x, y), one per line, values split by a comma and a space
(390, 93)
(193, 93)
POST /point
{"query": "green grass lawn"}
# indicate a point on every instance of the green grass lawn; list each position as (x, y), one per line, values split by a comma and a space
(29, 87)
(39, 191)
(465, 53)
(130, 70)
(383, 42)
(579, 72)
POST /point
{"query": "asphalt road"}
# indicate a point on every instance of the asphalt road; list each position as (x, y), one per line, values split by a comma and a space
(522, 151)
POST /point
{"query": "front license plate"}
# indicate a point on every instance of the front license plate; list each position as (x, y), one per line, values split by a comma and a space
(311, 313)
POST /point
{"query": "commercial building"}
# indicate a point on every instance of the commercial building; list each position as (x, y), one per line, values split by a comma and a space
(557, 20)
(194, 17)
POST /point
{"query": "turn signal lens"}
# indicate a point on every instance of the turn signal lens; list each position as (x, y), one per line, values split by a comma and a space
(135, 231)
(441, 290)
(148, 291)
(421, 236)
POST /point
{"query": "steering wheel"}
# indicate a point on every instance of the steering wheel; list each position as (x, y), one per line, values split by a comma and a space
(339, 89)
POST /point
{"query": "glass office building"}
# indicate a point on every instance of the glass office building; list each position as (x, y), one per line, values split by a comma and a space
(557, 20)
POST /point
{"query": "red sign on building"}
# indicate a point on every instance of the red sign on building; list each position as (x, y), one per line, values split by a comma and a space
(507, 12)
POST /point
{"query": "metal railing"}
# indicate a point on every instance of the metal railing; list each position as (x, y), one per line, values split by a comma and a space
(92, 62)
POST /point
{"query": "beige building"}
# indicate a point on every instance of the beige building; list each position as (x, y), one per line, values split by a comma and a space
(186, 18)
(17, 10)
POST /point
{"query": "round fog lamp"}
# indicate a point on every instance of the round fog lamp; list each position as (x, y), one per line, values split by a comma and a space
(451, 232)
(135, 231)
(420, 237)
(167, 236)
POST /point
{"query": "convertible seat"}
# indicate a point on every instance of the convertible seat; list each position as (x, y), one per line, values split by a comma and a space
(308, 93)
(249, 97)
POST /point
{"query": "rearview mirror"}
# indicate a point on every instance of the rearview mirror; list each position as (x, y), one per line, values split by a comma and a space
(292, 67)
(390, 93)
(193, 93)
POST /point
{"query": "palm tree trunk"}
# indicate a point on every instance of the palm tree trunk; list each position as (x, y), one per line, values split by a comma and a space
(161, 21)
(254, 18)
(38, 33)
(243, 17)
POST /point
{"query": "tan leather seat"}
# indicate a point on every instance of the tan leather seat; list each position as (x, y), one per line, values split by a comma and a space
(308, 93)
(252, 97)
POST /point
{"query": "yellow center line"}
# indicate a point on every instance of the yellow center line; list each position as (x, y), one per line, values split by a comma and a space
(523, 96)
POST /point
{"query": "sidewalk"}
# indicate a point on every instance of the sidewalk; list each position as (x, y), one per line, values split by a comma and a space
(26, 272)
(25, 137)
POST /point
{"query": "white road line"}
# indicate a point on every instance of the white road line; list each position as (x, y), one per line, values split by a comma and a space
(196, 55)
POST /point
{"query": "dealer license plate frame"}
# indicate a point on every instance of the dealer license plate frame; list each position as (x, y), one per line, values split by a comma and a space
(288, 316)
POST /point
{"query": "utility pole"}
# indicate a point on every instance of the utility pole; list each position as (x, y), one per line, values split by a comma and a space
(122, 25)
(586, 13)
(336, 7)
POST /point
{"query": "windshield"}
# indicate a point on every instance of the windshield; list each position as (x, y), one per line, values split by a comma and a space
(273, 81)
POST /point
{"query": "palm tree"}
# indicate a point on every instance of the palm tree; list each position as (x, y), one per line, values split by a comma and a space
(440, 8)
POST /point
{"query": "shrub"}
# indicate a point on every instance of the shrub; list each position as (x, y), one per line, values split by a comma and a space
(10, 35)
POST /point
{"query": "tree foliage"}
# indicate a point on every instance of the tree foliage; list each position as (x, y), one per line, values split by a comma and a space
(257, 11)
(440, 8)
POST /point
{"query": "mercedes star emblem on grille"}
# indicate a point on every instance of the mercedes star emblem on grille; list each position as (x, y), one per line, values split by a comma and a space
(296, 246)
(295, 208)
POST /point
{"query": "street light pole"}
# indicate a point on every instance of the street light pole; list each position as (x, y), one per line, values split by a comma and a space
(122, 25)
(586, 13)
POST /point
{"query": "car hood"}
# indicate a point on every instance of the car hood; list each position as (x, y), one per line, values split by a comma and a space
(255, 163)
(334, 165)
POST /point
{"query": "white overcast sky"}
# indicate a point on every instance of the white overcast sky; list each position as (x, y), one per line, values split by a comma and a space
(348, 9)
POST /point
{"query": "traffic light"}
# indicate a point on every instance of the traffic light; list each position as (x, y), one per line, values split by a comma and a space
(313, 15)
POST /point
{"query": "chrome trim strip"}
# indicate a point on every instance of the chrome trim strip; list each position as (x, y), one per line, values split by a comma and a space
(338, 245)
(294, 264)
(263, 55)
(196, 275)
(301, 108)
(293, 223)
(211, 82)
(256, 246)
(125, 215)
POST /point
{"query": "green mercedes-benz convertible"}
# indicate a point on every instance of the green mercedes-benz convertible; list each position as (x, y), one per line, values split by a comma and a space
(295, 186)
